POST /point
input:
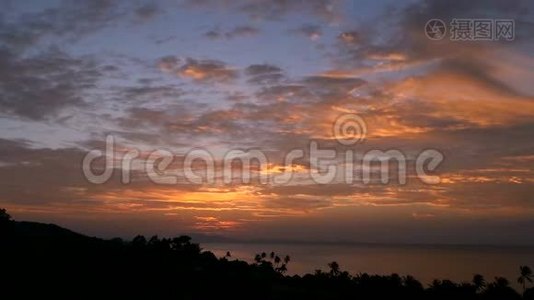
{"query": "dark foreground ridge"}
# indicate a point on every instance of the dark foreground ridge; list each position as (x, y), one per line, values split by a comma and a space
(42, 260)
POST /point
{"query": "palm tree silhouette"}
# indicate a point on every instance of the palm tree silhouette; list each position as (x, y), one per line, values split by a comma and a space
(479, 282)
(526, 276)
(277, 260)
(287, 259)
(334, 268)
(282, 269)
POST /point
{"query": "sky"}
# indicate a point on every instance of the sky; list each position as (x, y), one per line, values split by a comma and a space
(165, 78)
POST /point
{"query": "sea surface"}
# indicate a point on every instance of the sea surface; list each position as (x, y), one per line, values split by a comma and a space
(424, 262)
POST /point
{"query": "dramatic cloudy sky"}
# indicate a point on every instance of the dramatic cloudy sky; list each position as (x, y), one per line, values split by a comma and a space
(272, 76)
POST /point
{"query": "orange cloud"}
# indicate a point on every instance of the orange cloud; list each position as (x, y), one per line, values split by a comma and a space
(198, 70)
(465, 99)
(214, 224)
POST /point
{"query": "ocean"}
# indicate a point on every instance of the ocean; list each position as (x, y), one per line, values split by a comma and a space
(424, 262)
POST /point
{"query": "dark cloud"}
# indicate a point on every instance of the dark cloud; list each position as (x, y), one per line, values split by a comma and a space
(418, 46)
(180, 122)
(169, 63)
(139, 117)
(151, 93)
(328, 10)
(40, 86)
(400, 42)
(495, 194)
(147, 11)
(264, 74)
(284, 92)
(480, 71)
(261, 69)
(292, 109)
(68, 19)
(313, 32)
(478, 148)
(332, 85)
(47, 177)
(242, 31)
(213, 34)
(239, 31)
(38, 175)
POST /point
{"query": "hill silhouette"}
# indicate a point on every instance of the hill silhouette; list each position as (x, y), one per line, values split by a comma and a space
(45, 260)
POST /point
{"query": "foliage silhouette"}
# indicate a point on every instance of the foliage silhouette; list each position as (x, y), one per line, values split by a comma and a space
(4, 216)
(44, 260)
(479, 282)
(526, 276)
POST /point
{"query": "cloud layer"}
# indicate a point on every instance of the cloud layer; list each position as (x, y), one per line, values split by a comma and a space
(223, 75)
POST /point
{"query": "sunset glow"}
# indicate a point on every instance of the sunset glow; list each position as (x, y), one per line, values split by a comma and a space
(221, 76)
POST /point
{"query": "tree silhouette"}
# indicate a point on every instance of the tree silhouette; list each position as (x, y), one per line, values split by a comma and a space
(156, 264)
(287, 259)
(257, 258)
(501, 282)
(411, 283)
(139, 241)
(500, 289)
(181, 241)
(526, 276)
(272, 262)
(153, 241)
(4, 216)
(479, 282)
(529, 294)
(282, 269)
(334, 268)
